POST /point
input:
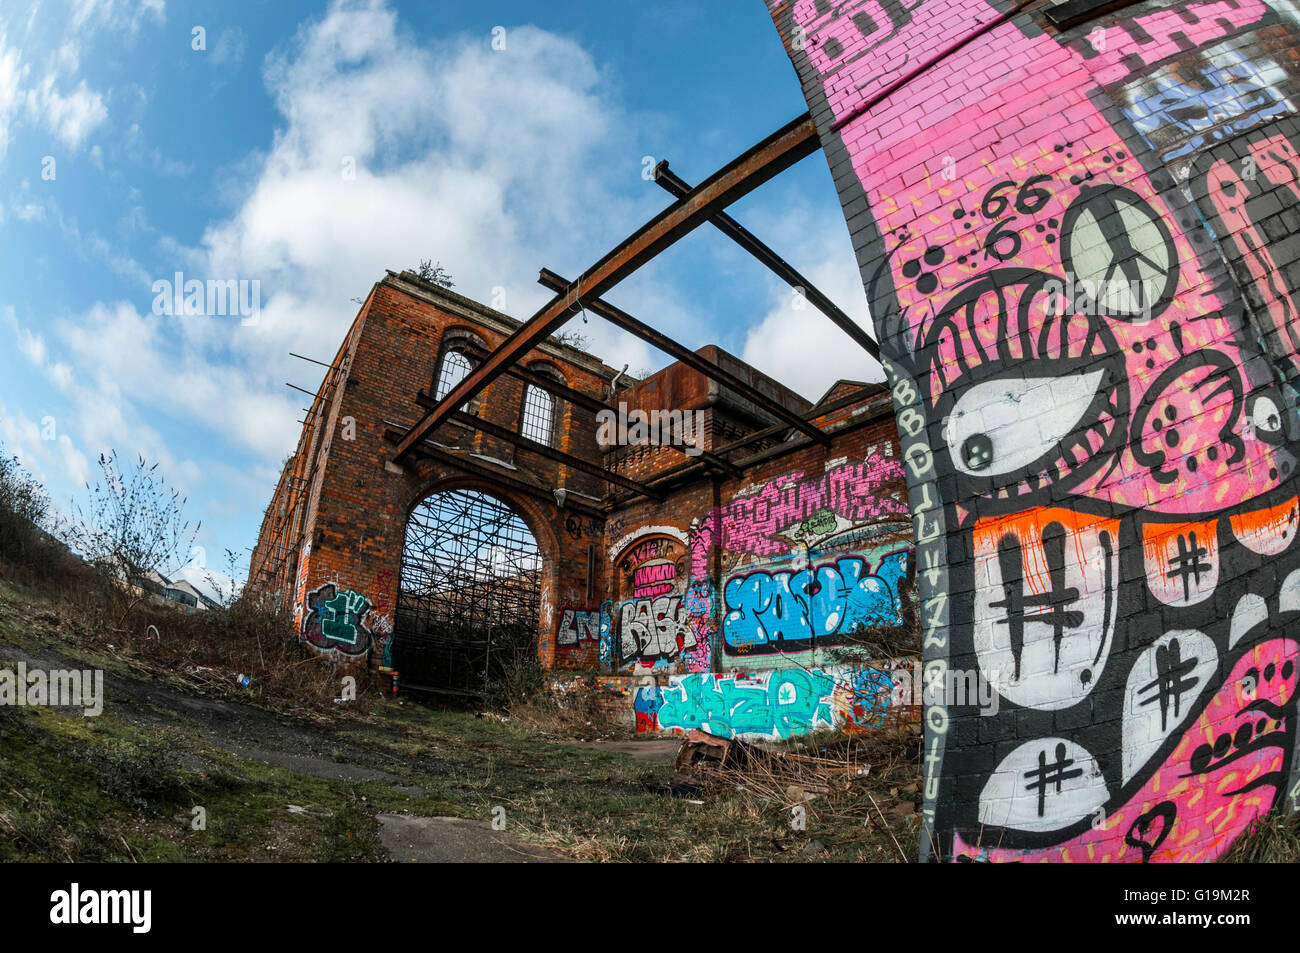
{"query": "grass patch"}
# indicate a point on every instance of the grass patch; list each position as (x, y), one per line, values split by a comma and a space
(1274, 839)
(124, 786)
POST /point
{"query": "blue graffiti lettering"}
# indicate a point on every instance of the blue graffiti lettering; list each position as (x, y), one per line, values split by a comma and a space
(793, 611)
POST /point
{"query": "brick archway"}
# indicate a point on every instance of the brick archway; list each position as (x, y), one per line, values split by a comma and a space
(476, 575)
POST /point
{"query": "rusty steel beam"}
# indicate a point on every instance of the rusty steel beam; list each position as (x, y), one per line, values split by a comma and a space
(1070, 14)
(559, 456)
(677, 187)
(584, 400)
(564, 391)
(541, 449)
(427, 448)
(689, 470)
(794, 141)
(857, 396)
(692, 360)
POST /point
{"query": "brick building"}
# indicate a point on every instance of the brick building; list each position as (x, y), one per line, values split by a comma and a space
(647, 557)
(1076, 223)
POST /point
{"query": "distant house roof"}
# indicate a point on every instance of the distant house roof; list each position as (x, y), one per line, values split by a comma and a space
(180, 590)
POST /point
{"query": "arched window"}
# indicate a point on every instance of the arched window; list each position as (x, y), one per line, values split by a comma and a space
(455, 367)
(539, 415)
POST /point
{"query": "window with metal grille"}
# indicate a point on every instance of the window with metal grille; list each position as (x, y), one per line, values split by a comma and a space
(539, 415)
(455, 367)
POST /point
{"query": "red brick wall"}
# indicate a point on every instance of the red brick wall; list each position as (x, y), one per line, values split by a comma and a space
(350, 522)
(801, 518)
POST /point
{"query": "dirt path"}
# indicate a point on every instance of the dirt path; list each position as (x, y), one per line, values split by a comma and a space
(443, 840)
(310, 749)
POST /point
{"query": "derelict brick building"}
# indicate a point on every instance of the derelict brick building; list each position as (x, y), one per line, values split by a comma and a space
(651, 567)
(1102, 485)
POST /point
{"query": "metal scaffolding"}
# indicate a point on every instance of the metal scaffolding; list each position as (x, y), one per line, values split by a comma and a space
(469, 598)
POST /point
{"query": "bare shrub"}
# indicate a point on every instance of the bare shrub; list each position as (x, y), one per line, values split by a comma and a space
(133, 527)
(29, 552)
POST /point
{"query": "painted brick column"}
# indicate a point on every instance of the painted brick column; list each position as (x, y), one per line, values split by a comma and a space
(1081, 257)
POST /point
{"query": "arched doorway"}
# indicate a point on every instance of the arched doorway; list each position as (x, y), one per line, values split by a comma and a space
(651, 575)
(469, 599)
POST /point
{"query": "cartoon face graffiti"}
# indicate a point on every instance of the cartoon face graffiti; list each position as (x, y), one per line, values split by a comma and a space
(1102, 449)
(1115, 457)
(1225, 770)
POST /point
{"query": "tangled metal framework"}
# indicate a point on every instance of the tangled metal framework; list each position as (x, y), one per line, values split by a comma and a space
(469, 601)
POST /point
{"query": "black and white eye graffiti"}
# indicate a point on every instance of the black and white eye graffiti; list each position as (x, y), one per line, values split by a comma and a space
(1264, 412)
(1116, 244)
(1060, 416)
(1016, 422)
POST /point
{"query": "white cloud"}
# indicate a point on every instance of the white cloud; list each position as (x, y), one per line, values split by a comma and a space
(71, 117)
(32, 346)
(10, 94)
(97, 393)
(481, 159)
(116, 15)
(800, 347)
(484, 160)
(228, 51)
(41, 448)
(29, 211)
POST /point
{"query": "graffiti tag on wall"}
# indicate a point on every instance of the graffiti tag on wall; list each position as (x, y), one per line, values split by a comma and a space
(775, 704)
(797, 610)
(653, 629)
(798, 552)
(335, 621)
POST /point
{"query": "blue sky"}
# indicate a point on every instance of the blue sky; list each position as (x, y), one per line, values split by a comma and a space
(127, 155)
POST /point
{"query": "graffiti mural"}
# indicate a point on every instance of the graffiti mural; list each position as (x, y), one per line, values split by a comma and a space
(1195, 102)
(1249, 192)
(795, 610)
(335, 621)
(579, 625)
(862, 699)
(809, 561)
(646, 703)
(794, 510)
(653, 630)
(1100, 458)
(773, 704)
